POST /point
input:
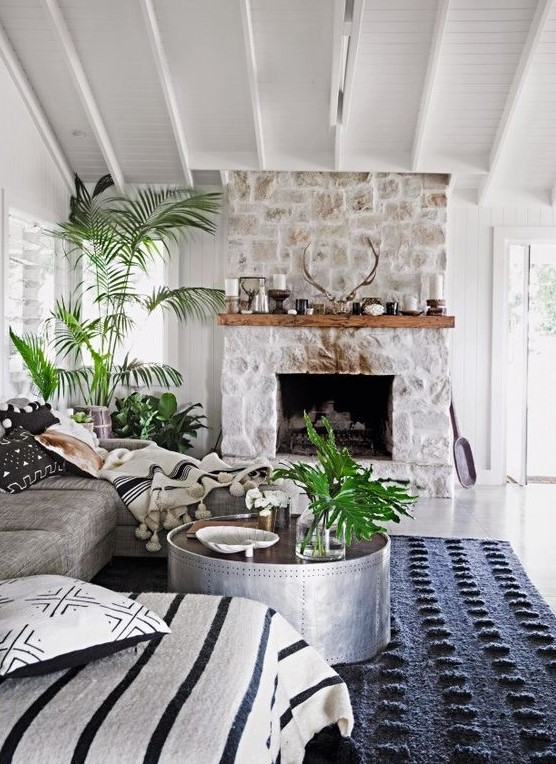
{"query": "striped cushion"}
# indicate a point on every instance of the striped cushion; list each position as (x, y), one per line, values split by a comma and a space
(233, 682)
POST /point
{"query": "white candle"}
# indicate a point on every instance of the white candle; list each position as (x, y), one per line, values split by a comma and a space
(409, 302)
(279, 281)
(436, 287)
(231, 287)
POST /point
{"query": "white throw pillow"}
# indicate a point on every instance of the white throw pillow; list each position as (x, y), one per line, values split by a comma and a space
(49, 623)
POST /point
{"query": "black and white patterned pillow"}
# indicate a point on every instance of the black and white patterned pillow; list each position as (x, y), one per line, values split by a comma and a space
(49, 623)
(23, 462)
(34, 416)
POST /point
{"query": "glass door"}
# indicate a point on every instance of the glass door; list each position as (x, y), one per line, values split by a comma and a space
(541, 399)
(516, 364)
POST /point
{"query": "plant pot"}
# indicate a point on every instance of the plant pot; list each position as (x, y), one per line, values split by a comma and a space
(317, 543)
(102, 422)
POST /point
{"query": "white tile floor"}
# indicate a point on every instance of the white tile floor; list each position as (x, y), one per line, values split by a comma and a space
(526, 517)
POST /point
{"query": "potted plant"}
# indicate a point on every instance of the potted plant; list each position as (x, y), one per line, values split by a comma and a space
(112, 240)
(83, 418)
(345, 503)
(157, 418)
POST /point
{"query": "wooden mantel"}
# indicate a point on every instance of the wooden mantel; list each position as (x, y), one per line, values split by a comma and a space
(337, 321)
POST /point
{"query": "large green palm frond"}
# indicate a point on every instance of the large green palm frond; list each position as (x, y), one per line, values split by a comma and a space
(133, 372)
(185, 302)
(109, 283)
(43, 373)
(154, 215)
(72, 332)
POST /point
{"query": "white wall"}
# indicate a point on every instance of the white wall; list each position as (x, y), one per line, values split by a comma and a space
(28, 175)
(30, 181)
(469, 292)
(198, 346)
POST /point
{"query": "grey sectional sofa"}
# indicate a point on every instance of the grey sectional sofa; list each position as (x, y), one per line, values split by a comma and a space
(70, 525)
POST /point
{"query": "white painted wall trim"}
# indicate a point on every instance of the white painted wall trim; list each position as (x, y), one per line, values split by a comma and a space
(251, 61)
(503, 237)
(4, 371)
(430, 80)
(165, 78)
(85, 92)
(8, 56)
(515, 93)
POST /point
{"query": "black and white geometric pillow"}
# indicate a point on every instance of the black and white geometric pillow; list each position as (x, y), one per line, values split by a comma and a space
(34, 417)
(48, 623)
(23, 462)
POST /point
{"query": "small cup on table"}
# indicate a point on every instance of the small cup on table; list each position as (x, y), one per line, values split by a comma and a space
(265, 520)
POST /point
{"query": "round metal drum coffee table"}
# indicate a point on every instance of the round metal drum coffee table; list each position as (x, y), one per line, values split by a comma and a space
(341, 608)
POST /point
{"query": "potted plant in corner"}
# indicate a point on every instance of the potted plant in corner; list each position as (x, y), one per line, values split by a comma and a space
(345, 503)
(157, 418)
(111, 241)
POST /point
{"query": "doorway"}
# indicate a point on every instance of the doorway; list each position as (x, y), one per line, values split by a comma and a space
(531, 363)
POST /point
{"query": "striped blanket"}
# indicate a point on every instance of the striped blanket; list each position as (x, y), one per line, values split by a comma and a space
(233, 682)
(161, 487)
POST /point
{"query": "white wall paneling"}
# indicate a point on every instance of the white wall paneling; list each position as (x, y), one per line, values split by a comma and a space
(201, 263)
(476, 384)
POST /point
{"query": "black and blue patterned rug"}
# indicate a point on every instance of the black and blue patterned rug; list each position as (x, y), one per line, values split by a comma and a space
(470, 673)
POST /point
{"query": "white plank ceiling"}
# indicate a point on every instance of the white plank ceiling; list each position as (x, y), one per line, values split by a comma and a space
(175, 91)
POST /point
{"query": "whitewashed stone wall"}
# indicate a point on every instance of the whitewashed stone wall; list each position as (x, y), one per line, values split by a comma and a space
(418, 358)
(274, 215)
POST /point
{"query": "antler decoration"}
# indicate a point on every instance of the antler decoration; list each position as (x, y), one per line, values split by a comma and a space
(311, 280)
(370, 277)
(366, 281)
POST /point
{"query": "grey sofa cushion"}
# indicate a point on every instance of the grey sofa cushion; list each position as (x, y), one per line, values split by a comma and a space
(80, 517)
(28, 553)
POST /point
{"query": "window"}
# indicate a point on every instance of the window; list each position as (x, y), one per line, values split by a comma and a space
(147, 340)
(34, 278)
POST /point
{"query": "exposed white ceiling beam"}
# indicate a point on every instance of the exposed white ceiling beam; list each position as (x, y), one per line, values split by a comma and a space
(356, 22)
(338, 147)
(336, 73)
(428, 86)
(251, 60)
(161, 63)
(514, 94)
(85, 93)
(35, 109)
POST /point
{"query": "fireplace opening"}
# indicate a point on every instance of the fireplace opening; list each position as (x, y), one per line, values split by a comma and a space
(358, 406)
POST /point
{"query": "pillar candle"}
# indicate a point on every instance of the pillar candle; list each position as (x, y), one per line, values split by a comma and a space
(231, 287)
(279, 281)
(436, 287)
(409, 302)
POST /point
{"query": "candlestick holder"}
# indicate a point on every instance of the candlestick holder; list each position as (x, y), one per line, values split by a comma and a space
(279, 295)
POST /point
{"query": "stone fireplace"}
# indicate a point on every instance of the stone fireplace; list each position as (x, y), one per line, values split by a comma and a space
(255, 358)
(358, 406)
(387, 387)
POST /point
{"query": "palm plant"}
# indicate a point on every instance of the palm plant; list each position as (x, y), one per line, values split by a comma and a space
(113, 240)
(33, 351)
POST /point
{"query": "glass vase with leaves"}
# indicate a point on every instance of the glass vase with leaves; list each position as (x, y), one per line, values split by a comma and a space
(112, 240)
(345, 502)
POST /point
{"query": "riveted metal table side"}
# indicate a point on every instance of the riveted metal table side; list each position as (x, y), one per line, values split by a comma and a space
(342, 607)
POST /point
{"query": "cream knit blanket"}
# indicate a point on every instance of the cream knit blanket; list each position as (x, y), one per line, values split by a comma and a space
(161, 487)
